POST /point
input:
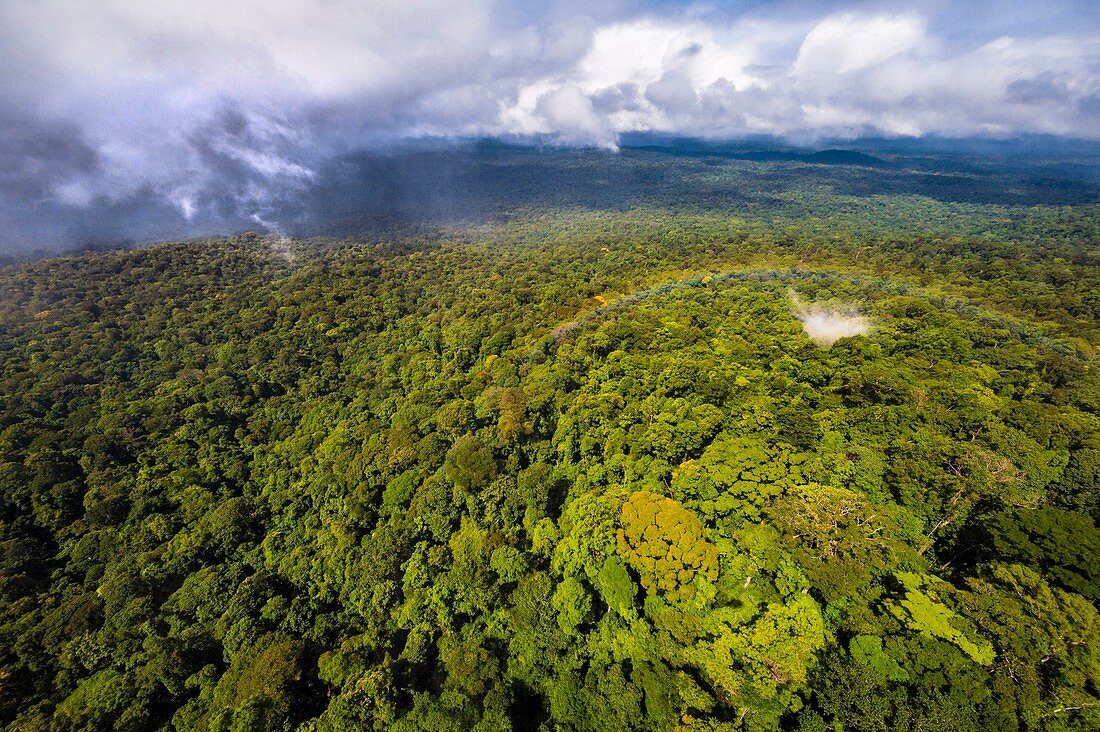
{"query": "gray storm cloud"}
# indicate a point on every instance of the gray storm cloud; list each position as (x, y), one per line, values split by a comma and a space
(212, 108)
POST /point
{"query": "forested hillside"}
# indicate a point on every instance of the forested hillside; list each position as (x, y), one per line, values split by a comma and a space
(573, 470)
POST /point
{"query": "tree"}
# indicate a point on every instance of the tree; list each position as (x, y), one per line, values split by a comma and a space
(469, 463)
(666, 544)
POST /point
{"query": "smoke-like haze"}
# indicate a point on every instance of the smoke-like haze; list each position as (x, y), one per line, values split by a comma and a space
(224, 109)
(825, 325)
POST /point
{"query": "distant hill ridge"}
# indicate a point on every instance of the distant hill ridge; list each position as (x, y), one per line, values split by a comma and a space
(830, 156)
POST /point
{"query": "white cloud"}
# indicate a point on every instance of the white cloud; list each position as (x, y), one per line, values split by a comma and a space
(850, 42)
(629, 53)
(242, 99)
(825, 325)
(845, 75)
(826, 328)
(568, 111)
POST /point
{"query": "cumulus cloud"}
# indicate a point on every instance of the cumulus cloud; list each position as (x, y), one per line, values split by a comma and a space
(225, 107)
(849, 42)
(568, 111)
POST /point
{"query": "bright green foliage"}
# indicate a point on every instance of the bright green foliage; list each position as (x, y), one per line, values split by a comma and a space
(839, 538)
(922, 611)
(588, 524)
(867, 650)
(572, 602)
(98, 702)
(754, 662)
(736, 477)
(616, 586)
(258, 688)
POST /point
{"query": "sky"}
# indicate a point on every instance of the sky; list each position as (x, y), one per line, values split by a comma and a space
(182, 106)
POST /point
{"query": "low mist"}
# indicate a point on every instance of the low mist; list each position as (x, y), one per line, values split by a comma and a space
(826, 324)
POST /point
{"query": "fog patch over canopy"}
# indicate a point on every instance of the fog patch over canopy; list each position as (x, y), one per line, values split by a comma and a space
(827, 324)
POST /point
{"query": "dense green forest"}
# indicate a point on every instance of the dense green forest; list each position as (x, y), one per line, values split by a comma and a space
(575, 469)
